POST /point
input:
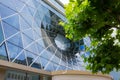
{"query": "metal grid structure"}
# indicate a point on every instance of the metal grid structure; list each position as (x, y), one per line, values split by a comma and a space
(27, 36)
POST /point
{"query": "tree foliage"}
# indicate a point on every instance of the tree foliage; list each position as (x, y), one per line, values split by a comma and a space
(100, 20)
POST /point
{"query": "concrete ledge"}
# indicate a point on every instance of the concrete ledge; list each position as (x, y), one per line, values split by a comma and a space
(10, 65)
(78, 75)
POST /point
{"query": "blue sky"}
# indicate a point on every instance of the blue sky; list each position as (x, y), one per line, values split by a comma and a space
(64, 1)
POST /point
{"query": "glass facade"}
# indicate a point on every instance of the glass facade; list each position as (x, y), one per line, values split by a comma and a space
(30, 35)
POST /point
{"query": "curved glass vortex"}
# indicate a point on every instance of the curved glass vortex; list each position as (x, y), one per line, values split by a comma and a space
(31, 36)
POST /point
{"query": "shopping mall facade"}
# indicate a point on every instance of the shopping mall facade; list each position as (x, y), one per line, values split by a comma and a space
(33, 46)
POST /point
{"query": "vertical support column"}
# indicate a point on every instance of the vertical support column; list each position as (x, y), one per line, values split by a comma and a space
(2, 74)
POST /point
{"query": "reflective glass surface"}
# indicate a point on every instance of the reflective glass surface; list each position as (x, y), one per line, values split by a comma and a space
(30, 35)
(3, 54)
(1, 34)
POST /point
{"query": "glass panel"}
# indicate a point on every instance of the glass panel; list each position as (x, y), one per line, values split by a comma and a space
(1, 34)
(51, 49)
(40, 48)
(5, 11)
(36, 35)
(35, 25)
(48, 20)
(35, 3)
(26, 40)
(9, 30)
(46, 55)
(3, 54)
(21, 59)
(8, 4)
(30, 57)
(18, 4)
(13, 21)
(17, 40)
(37, 19)
(13, 50)
(29, 33)
(41, 42)
(62, 63)
(56, 60)
(38, 31)
(30, 3)
(31, 9)
(55, 66)
(23, 24)
(37, 64)
(62, 68)
(27, 18)
(49, 67)
(25, 10)
(32, 48)
(43, 62)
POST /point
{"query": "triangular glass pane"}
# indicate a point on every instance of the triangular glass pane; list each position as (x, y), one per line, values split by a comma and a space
(13, 50)
(37, 64)
(23, 24)
(3, 54)
(49, 67)
(48, 20)
(21, 59)
(38, 31)
(17, 40)
(25, 10)
(18, 4)
(36, 35)
(13, 21)
(31, 9)
(62, 68)
(30, 57)
(28, 18)
(26, 40)
(37, 18)
(55, 66)
(9, 30)
(52, 49)
(29, 33)
(24, 1)
(32, 48)
(8, 4)
(43, 33)
(5, 11)
(30, 3)
(40, 42)
(36, 3)
(34, 25)
(55, 59)
(46, 54)
(43, 62)
(1, 34)
(40, 48)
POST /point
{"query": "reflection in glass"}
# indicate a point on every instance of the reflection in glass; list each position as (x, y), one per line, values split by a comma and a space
(3, 54)
(9, 30)
(5, 11)
(13, 50)
(1, 34)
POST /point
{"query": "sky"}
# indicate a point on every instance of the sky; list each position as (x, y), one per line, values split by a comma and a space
(64, 1)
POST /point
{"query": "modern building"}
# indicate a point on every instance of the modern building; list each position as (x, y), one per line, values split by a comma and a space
(33, 45)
